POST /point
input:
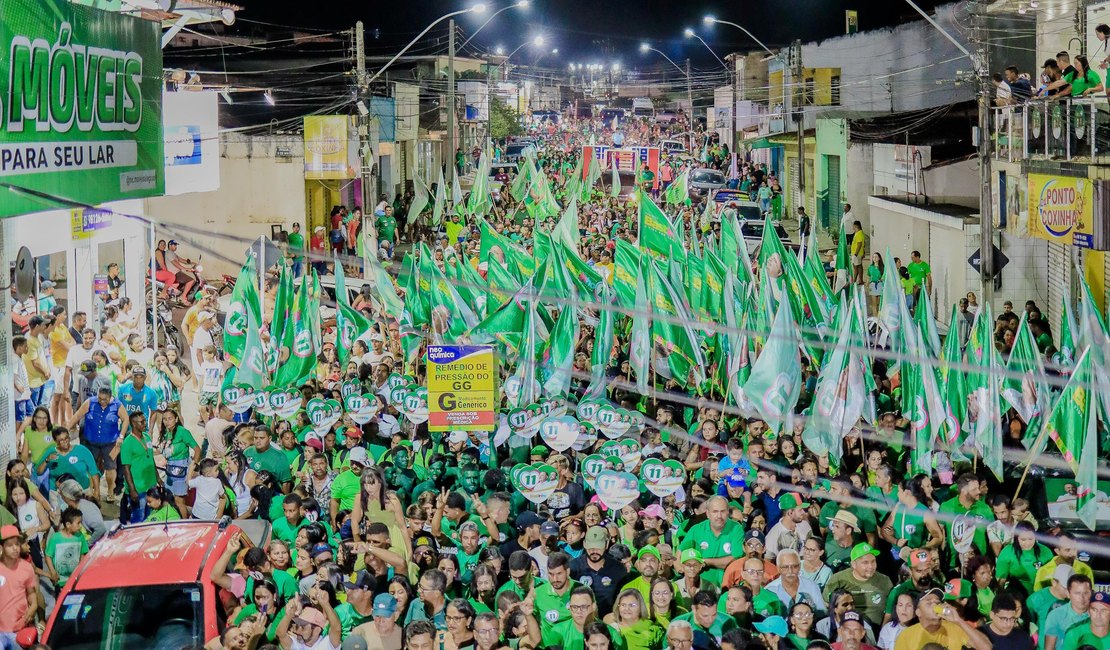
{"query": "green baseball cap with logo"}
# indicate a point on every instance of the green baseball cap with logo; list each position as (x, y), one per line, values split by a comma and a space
(862, 549)
(790, 501)
(649, 550)
(690, 555)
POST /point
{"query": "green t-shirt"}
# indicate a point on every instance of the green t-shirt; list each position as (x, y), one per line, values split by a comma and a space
(38, 442)
(918, 271)
(295, 242)
(165, 513)
(1079, 85)
(349, 617)
(65, 553)
(137, 454)
(1082, 635)
(286, 531)
(1060, 620)
(78, 463)
(272, 460)
(1041, 603)
(729, 543)
(566, 636)
(870, 596)
(467, 562)
(345, 488)
(723, 623)
(965, 527)
(909, 524)
(387, 228)
(183, 442)
(552, 609)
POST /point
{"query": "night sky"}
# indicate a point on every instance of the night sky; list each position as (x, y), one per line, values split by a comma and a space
(595, 30)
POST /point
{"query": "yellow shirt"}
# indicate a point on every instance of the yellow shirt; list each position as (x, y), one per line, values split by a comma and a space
(949, 636)
(857, 244)
(1044, 574)
(59, 336)
(189, 322)
(34, 351)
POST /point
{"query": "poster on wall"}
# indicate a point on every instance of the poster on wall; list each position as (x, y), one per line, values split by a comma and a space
(325, 148)
(192, 133)
(81, 99)
(1061, 209)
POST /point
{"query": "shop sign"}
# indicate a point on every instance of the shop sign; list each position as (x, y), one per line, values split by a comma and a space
(325, 148)
(84, 222)
(1061, 209)
(462, 388)
(80, 106)
(192, 134)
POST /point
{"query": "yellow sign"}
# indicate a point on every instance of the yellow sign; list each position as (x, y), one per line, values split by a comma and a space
(462, 388)
(77, 225)
(325, 148)
(1061, 209)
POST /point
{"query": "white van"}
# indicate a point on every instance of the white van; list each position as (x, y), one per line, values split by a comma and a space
(642, 107)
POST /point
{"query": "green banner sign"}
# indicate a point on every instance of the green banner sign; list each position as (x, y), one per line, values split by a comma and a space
(80, 106)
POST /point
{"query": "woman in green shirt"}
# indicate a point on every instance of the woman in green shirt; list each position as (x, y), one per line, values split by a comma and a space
(267, 603)
(178, 446)
(1021, 558)
(664, 607)
(801, 620)
(634, 622)
(37, 439)
(875, 282)
(911, 525)
(158, 502)
(1084, 81)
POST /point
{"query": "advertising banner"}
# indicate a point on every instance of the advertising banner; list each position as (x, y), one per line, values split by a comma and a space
(325, 148)
(191, 123)
(80, 106)
(462, 388)
(1061, 209)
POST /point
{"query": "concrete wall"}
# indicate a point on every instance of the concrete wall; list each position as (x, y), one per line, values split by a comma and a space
(861, 161)
(257, 189)
(956, 182)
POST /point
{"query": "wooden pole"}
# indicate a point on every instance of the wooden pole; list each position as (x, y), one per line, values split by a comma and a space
(1029, 461)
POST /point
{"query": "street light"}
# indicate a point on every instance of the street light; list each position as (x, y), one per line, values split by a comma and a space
(522, 4)
(498, 50)
(644, 47)
(709, 20)
(692, 34)
(474, 9)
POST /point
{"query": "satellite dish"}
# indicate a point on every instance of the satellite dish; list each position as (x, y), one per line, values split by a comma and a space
(167, 5)
(24, 273)
(227, 16)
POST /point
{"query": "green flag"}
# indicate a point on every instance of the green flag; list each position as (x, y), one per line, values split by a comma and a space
(735, 345)
(656, 232)
(639, 352)
(615, 181)
(300, 364)
(283, 306)
(243, 298)
(349, 323)
(419, 201)
(927, 325)
(566, 230)
(478, 203)
(557, 358)
(1065, 355)
(843, 273)
(383, 287)
(441, 201)
(984, 403)
(505, 324)
(519, 187)
(1068, 422)
(253, 371)
(1087, 505)
(626, 266)
(776, 377)
(953, 387)
(604, 337)
(676, 350)
(678, 192)
(1025, 389)
(522, 388)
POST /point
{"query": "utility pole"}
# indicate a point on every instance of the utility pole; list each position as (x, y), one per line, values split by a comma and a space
(734, 138)
(986, 219)
(690, 94)
(449, 155)
(365, 154)
(799, 118)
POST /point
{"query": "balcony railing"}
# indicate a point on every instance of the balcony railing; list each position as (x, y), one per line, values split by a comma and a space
(1066, 129)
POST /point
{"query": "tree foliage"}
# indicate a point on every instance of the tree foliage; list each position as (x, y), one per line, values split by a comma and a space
(503, 120)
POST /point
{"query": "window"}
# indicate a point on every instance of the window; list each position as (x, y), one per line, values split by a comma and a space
(834, 89)
(126, 618)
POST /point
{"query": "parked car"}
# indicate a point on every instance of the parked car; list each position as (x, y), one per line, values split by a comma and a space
(703, 181)
(516, 151)
(672, 147)
(148, 586)
(752, 232)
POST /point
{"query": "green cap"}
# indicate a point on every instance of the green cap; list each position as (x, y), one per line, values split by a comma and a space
(649, 550)
(539, 450)
(596, 537)
(690, 554)
(862, 549)
(790, 501)
(956, 589)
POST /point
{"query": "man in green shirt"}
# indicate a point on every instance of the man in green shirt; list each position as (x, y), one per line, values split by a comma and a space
(1096, 632)
(966, 520)
(920, 581)
(570, 634)
(704, 616)
(1072, 613)
(347, 484)
(552, 598)
(137, 458)
(868, 587)
(1042, 602)
(265, 457)
(386, 224)
(359, 607)
(285, 528)
(648, 561)
(718, 539)
(920, 273)
(295, 246)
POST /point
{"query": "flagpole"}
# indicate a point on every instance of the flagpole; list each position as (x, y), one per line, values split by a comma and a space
(1029, 461)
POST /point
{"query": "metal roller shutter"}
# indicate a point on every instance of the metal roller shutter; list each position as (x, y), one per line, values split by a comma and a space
(795, 194)
(1059, 283)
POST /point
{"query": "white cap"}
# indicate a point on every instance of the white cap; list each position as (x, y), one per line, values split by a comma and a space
(205, 315)
(359, 455)
(457, 436)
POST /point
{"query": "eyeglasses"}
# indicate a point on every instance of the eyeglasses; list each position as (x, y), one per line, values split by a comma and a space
(754, 572)
(487, 631)
(790, 567)
(579, 608)
(803, 615)
(456, 619)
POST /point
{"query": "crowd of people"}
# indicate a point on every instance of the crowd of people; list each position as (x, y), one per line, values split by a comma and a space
(387, 535)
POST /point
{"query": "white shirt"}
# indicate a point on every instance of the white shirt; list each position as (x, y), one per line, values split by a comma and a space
(74, 358)
(323, 643)
(202, 338)
(207, 503)
(21, 378)
(211, 373)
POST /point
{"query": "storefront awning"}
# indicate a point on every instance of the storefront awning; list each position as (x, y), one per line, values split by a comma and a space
(762, 143)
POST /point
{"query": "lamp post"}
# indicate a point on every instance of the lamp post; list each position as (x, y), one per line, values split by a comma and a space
(475, 9)
(709, 20)
(692, 34)
(645, 47)
(522, 4)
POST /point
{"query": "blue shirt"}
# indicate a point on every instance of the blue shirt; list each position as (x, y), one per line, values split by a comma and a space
(134, 400)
